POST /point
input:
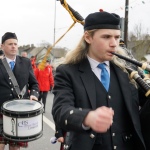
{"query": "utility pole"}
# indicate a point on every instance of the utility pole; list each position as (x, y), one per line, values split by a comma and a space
(126, 22)
(54, 22)
(54, 30)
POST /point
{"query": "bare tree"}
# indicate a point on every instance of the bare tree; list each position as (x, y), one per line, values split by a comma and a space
(139, 41)
(138, 30)
(139, 33)
(132, 37)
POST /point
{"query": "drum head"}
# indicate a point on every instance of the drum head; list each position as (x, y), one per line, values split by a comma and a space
(22, 105)
(22, 108)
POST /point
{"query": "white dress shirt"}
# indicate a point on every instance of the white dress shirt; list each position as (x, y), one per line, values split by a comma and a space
(95, 69)
(9, 60)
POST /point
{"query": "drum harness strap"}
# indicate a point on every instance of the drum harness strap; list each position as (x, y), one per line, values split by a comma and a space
(12, 78)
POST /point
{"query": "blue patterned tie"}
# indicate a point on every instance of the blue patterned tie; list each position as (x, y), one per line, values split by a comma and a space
(12, 64)
(105, 79)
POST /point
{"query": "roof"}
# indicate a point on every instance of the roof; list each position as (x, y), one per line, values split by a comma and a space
(35, 51)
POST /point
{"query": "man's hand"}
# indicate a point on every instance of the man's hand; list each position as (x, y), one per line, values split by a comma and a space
(32, 97)
(100, 119)
(61, 140)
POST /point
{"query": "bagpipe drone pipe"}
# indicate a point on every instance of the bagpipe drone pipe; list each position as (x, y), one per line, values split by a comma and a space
(144, 84)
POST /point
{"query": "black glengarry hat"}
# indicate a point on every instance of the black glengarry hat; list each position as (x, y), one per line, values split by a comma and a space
(8, 35)
(102, 20)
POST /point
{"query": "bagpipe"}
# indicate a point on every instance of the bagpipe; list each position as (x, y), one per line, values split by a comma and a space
(138, 75)
(144, 84)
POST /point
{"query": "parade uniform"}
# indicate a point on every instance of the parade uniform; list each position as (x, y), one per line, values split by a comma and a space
(84, 93)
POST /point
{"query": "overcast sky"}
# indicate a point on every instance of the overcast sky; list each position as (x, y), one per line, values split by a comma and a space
(33, 20)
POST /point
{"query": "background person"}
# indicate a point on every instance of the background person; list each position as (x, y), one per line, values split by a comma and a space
(1, 54)
(46, 82)
(24, 54)
(33, 63)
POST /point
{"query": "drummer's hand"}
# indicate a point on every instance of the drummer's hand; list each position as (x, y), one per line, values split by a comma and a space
(32, 97)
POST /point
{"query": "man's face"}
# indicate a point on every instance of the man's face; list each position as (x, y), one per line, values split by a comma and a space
(102, 43)
(24, 54)
(10, 48)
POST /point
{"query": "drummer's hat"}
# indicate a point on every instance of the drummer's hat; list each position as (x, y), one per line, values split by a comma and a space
(8, 35)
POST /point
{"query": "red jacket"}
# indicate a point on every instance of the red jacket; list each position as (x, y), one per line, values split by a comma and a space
(45, 78)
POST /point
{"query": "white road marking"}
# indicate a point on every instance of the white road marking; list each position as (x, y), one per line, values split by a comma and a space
(49, 123)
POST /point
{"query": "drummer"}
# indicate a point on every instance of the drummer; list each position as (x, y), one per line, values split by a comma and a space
(22, 70)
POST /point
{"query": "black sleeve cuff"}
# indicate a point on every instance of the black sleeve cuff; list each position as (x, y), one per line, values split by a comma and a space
(35, 93)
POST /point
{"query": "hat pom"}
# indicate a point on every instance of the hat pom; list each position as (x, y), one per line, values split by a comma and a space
(101, 10)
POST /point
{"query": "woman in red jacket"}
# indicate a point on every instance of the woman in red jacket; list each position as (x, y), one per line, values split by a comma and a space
(45, 80)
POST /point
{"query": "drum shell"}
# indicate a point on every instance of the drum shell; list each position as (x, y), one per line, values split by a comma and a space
(24, 125)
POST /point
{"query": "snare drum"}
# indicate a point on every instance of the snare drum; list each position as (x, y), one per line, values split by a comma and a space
(22, 120)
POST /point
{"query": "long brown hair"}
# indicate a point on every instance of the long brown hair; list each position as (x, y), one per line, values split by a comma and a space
(80, 52)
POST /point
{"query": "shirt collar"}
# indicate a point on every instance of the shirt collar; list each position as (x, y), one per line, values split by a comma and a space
(9, 60)
(95, 63)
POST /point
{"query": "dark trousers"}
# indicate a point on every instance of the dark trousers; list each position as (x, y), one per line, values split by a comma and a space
(43, 96)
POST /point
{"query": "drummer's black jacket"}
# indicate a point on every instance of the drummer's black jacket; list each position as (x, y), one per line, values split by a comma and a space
(25, 77)
(76, 94)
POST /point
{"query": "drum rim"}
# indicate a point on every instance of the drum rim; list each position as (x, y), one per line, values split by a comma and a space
(23, 139)
(19, 115)
(5, 111)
